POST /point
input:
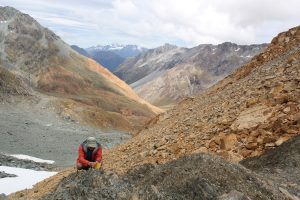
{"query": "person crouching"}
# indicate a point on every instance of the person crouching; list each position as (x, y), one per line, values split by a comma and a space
(89, 154)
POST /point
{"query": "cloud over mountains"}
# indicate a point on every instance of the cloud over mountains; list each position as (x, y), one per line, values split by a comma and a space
(151, 23)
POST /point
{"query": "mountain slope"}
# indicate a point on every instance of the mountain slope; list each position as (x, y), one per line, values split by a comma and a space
(84, 90)
(254, 109)
(167, 74)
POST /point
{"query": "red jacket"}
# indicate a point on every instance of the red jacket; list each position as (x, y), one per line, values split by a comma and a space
(96, 156)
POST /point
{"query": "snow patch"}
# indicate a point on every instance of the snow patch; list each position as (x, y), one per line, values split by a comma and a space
(237, 49)
(26, 157)
(25, 179)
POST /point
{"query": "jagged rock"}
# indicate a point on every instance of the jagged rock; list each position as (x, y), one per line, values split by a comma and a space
(4, 175)
(228, 142)
(281, 140)
(251, 117)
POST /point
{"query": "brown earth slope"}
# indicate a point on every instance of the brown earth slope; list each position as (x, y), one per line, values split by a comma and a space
(85, 91)
(254, 109)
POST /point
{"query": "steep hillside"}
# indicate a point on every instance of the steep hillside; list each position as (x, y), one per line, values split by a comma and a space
(84, 90)
(167, 74)
(254, 109)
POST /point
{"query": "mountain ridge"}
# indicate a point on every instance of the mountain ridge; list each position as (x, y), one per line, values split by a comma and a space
(167, 74)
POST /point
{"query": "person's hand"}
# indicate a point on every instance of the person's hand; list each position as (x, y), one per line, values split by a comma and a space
(92, 164)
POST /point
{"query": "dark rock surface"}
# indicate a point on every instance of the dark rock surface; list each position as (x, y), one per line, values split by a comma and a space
(5, 175)
(281, 165)
(200, 176)
(27, 164)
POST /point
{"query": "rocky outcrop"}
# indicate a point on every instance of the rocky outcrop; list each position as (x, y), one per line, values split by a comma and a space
(5, 175)
(198, 176)
(167, 74)
(83, 89)
(255, 109)
(281, 165)
(10, 161)
(12, 84)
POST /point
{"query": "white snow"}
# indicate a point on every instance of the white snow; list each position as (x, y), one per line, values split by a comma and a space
(237, 49)
(115, 48)
(249, 56)
(26, 157)
(25, 179)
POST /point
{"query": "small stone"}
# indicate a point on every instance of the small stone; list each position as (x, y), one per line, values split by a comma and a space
(251, 146)
(287, 110)
(268, 139)
(143, 154)
(270, 145)
(281, 140)
(246, 152)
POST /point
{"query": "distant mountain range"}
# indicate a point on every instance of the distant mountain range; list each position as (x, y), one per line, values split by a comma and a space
(124, 51)
(169, 73)
(78, 87)
(110, 56)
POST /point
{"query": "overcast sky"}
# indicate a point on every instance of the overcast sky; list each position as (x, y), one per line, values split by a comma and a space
(151, 23)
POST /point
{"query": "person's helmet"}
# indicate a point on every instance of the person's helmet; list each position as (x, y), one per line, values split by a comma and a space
(91, 142)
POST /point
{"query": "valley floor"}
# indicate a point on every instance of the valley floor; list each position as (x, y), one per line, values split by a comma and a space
(31, 127)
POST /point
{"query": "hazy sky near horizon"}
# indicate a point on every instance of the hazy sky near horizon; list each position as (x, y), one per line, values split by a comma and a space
(151, 23)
